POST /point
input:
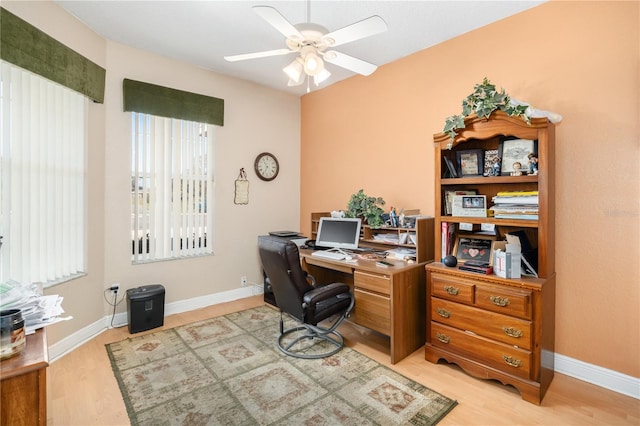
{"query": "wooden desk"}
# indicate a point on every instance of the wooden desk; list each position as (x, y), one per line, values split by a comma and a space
(23, 391)
(388, 300)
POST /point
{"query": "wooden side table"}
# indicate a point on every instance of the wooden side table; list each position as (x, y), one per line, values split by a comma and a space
(23, 391)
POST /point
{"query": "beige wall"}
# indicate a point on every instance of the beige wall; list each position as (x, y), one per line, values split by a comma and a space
(257, 119)
(580, 59)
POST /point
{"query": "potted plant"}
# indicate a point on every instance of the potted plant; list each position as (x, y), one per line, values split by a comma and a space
(483, 101)
(367, 208)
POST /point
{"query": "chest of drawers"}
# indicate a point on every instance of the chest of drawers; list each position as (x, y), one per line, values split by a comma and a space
(493, 328)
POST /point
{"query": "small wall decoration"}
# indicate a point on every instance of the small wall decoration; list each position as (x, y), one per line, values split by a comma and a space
(242, 188)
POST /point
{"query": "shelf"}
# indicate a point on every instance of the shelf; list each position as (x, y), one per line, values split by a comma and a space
(522, 223)
(487, 180)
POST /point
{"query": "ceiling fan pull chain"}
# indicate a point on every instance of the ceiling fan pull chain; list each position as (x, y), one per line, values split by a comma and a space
(308, 11)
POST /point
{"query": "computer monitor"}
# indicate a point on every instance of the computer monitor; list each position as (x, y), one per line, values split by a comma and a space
(341, 233)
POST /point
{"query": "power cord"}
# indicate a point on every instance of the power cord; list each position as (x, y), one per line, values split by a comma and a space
(115, 303)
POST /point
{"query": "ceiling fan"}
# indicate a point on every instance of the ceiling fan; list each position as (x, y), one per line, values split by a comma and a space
(314, 43)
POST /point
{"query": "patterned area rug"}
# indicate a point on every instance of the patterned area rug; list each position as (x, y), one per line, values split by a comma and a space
(227, 371)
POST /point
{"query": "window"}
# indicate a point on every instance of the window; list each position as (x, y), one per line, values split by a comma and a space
(42, 172)
(171, 188)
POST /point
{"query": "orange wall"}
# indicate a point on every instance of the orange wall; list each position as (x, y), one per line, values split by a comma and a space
(580, 59)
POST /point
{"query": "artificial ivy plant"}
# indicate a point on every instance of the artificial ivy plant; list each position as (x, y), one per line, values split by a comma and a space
(483, 101)
(365, 207)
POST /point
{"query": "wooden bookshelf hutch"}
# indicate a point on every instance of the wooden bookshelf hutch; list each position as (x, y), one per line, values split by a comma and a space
(492, 327)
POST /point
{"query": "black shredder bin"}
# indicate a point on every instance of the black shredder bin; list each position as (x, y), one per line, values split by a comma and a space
(145, 307)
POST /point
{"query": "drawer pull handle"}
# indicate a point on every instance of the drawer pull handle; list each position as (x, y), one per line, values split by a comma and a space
(444, 313)
(451, 290)
(512, 332)
(512, 361)
(500, 301)
(443, 338)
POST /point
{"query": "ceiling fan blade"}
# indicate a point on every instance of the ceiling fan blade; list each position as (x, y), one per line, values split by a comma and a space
(255, 55)
(277, 21)
(365, 28)
(349, 62)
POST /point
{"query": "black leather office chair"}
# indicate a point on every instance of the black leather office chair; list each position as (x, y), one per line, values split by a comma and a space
(297, 295)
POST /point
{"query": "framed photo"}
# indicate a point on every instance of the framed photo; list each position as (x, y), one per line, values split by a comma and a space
(469, 205)
(448, 199)
(450, 171)
(492, 166)
(474, 247)
(514, 155)
(470, 162)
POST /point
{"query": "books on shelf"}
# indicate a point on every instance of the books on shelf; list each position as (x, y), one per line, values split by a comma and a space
(515, 205)
(447, 238)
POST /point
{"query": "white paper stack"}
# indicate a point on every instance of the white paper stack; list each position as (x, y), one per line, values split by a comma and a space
(37, 310)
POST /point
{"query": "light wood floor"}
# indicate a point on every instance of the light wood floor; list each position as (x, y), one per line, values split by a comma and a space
(82, 390)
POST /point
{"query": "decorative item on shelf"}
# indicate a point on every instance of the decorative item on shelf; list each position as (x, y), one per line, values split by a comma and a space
(483, 101)
(515, 155)
(365, 207)
(533, 163)
(492, 163)
(450, 261)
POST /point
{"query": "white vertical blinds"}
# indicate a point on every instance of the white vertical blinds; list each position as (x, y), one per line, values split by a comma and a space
(171, 188)
(43, 174)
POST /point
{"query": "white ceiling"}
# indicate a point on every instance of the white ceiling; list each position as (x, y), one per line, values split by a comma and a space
(203, 32)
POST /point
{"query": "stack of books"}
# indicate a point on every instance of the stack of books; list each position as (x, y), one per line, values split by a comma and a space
(516, 205)
(477, 267)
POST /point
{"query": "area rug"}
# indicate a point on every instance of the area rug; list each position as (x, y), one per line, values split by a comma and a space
(227, 371)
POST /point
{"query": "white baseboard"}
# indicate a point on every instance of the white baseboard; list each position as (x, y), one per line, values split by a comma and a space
(599, 376)
(78, 338)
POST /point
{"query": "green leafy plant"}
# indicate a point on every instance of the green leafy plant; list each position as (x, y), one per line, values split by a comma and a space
(483, 101)
(365, 207)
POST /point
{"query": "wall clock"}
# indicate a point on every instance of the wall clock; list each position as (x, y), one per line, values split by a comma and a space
(266, 166)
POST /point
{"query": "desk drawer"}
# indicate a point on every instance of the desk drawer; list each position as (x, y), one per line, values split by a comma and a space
(373, 311)
(503, 328)
(372, 282)
(497, 355)
(452, 288)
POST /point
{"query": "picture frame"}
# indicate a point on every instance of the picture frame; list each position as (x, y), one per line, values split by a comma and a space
(469, 205)
(490, 156)
(448, 199)
(513, 151)
(470, 162)
(450, 171)
(475, 247)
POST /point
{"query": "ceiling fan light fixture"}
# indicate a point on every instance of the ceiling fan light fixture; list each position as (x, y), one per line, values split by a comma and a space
(295, 71)
(313, 64)
(321, 76)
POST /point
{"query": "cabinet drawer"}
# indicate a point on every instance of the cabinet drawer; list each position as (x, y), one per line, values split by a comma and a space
(453, 288)
(372, 282)
(506, 358)
(503, 328)
(504, 300)
(372, 311)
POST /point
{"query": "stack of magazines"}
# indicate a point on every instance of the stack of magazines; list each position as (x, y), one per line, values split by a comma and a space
(516, 205)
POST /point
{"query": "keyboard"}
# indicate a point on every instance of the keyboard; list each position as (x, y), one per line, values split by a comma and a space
(333, 255)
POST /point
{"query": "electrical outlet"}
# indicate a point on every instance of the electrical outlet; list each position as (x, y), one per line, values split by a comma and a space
(243, 281)
(114, 288)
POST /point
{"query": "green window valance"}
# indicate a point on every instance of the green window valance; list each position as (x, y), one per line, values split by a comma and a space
(24, 45)
(167, 102)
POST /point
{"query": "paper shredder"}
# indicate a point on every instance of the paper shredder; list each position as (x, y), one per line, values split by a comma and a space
(145, 307)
